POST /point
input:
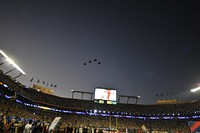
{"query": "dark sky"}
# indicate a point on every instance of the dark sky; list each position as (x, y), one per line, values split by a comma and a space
(146, 47)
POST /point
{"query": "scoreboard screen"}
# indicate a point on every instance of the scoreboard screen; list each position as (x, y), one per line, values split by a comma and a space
(105, 94)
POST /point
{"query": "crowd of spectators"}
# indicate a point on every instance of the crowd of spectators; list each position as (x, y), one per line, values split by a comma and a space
(15, 116)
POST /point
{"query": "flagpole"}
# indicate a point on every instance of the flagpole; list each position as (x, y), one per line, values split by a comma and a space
(116, 123)
(110, 122)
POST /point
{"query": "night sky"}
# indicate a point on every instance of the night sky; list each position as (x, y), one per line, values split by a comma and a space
(146, 47)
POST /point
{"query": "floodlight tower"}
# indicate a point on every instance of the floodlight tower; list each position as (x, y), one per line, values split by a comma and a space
(195, 89)
(72, 93)
(10, 61)
(137, 97)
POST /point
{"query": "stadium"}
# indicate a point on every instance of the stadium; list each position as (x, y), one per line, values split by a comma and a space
(104, 112)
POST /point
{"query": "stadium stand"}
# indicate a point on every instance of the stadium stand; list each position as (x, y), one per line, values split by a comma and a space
(21, 104)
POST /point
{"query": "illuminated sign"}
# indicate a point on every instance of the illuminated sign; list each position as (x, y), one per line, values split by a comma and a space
(105, 94)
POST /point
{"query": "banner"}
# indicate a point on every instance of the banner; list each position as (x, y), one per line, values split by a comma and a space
(194, 126)
(54, 124)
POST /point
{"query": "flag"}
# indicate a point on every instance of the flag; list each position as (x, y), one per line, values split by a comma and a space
(38, 81)
(31, 79)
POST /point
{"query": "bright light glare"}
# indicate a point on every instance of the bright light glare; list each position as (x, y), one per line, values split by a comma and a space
(12, 62)
(195, 89)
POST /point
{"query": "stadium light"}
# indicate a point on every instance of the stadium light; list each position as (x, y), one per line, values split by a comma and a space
(12, 62)
(195, 89)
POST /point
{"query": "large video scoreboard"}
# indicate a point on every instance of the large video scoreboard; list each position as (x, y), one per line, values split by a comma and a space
(105, 95)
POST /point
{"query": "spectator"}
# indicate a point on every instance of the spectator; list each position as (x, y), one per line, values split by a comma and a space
(1, 124)
(28, 127)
